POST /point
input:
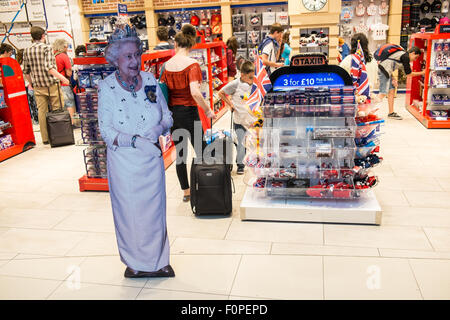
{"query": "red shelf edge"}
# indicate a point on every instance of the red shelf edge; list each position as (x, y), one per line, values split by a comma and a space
(101, 184)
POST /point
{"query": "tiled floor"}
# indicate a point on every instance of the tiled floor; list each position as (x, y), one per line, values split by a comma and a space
(59, 243)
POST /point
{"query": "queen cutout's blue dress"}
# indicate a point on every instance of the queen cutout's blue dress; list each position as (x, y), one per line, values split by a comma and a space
(136, 180)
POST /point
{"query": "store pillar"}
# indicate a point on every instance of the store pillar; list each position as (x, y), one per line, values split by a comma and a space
(84, 23)
(395, 22)
(152, 22)
(227, 28)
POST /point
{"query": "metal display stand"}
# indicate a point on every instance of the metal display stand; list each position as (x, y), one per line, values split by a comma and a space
(303, 162)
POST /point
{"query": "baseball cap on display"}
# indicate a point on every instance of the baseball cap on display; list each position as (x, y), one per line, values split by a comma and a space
(170, 21)
(436, 6)
(162, 22)
(425, 7)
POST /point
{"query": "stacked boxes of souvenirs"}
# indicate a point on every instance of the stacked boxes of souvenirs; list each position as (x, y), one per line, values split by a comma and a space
(308, 146)
(87, 101)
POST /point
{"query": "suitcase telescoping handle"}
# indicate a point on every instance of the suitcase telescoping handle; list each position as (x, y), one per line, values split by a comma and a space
(49, 100)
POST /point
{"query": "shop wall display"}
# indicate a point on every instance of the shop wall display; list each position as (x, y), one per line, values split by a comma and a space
(208, 21)
(101, 27)
(421, 15)
(61, 17)
(314, 40)
(251, 25)
(365, 16)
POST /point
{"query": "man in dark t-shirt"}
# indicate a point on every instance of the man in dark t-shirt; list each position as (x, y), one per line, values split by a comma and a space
(388, 83)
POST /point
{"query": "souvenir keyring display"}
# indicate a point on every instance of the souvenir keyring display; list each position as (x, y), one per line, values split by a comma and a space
(301, 163)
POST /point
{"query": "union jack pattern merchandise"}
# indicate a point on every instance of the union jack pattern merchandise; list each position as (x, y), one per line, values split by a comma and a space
(261, 85)
(359, 73)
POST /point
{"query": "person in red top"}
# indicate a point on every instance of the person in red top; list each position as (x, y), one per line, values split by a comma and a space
(232, 46)
(64, 66)
(183, 77)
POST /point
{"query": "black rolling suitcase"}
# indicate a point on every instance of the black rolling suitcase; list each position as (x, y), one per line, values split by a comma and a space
(211, 185)
(59, 126)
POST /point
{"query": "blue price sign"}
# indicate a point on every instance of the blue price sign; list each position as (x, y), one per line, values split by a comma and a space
(122, 9)
(292, 81)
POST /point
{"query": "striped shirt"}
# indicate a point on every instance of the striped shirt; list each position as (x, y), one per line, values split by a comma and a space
(37, 61)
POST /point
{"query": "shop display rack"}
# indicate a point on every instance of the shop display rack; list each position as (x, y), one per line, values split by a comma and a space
(212, 59)
(90, 71)
(251, 23)
(303, 159)
(16, 129)
(428, 98)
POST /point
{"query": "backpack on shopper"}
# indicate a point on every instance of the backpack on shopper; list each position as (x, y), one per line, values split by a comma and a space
(264, 43)
(385, 51)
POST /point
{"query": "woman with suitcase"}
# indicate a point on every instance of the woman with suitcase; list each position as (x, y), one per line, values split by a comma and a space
(183, 77)
(132, 115)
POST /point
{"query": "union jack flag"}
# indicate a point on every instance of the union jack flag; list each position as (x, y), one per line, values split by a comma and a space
(359, 72)
(261, 85)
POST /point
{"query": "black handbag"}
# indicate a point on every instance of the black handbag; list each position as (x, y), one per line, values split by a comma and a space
(59, 125)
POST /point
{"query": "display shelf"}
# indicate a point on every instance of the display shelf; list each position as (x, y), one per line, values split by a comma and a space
(151, 62)
(364, 210)
(15, 111)
(301, 166)
(5, 126)
(217, 48)
(421, 90)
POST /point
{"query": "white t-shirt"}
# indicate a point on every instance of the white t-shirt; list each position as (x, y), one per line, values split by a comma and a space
(372, 9)
(238, 90)
(379, 31)
(361, 28)
(271, 54)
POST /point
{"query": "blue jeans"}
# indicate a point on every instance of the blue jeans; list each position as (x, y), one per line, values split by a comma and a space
(240, 148)
(385, 83)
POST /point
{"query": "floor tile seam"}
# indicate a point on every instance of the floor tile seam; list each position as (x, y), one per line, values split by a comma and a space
(56, 289)
(181, 290)
(415, 279)
(413, 225)
(85, 236)
(235, 275)
(323, 278)
(61, 221)
(221, 254)
(72, 230)
(32, 277)
(228, 229)
(47, 229)
(428, 238)
(93, 256)
(38, 229)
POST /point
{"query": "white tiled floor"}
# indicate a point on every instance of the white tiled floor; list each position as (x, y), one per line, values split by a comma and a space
(59, 243)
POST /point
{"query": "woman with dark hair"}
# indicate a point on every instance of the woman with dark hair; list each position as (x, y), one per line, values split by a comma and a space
(183, 77)
(286, 49)
(232, 46)
(371, 64)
